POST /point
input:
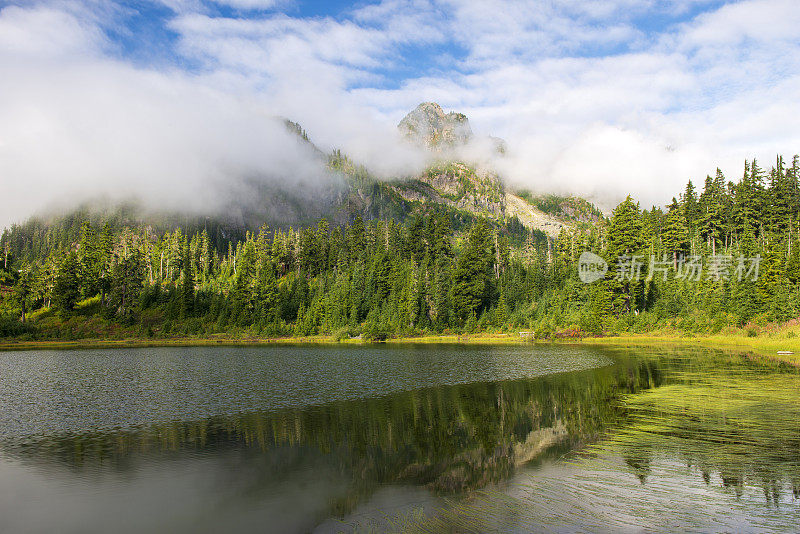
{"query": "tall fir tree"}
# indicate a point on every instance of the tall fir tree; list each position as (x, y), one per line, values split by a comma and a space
(187, 284)
(66, 290)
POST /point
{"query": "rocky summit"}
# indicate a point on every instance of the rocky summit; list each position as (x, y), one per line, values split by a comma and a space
(429, 126)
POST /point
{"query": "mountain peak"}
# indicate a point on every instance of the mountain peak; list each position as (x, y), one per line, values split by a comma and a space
(429, 126)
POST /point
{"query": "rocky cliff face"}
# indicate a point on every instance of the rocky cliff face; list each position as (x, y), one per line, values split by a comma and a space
(454, 183)
(458, 184)
(429, 126)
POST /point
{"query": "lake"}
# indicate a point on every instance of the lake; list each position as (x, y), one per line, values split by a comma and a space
(401, 438)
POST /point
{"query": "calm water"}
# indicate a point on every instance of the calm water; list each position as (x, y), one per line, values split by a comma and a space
(428, 438)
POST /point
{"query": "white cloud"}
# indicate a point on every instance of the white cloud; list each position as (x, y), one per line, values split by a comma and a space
(754, 22)
(46, 31)
(250, 4)
(588, 101)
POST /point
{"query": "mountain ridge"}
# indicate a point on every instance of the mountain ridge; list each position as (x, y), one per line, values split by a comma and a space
(464, 188)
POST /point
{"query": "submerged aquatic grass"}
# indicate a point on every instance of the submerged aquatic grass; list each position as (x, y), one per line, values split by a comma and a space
(715, 448)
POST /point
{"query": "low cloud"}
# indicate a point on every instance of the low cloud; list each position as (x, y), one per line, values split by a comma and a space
(78, 124)
(85, 129)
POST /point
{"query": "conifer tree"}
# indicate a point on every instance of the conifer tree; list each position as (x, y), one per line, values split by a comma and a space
(267, 292)
(690, 207)
(356, 239)
(23, 292)
(127, 277)
(187, 284)
(501, 312)
(625, 242)
(711, 214)
(90, 259)
(242, 293)
(675, 236)
(105, 244)
(746, 297)
(66, 289)
(471, 277)
(625, 231)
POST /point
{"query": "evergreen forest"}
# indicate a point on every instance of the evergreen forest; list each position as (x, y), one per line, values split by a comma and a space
(80, 277)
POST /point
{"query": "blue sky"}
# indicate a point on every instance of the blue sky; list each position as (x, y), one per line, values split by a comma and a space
(598, 98)
(141, 32)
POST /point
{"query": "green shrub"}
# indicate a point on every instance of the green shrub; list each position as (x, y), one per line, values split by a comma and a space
(341, 334)
(11, 327)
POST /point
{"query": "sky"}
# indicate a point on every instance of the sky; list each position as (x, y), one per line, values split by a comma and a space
(175, 100)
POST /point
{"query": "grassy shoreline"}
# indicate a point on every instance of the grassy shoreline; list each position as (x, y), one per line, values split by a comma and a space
(759, 347)
(214, 341)
(766, 346)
